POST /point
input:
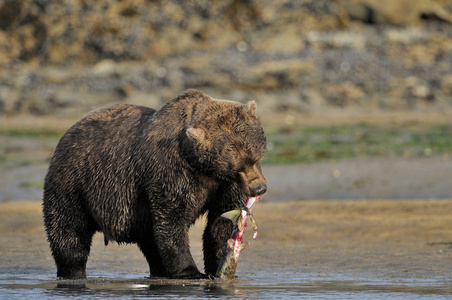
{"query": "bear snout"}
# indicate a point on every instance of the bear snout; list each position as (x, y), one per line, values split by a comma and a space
(258, 190)
(253, 181)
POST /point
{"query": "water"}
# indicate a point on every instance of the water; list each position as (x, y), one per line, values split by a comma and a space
(260, 286)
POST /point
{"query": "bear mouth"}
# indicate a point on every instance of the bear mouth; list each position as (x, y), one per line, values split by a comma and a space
(250, 201)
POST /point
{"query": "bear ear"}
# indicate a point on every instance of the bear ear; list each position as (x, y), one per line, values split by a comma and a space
(196, 134)
(252, 106)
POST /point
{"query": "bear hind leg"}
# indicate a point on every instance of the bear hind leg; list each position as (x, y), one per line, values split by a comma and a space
(70, 245)
(71, 255)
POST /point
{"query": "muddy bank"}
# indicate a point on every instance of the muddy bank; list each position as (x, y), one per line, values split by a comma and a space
(25, 155)
(358, 178)
(381, 240)
(361, 178)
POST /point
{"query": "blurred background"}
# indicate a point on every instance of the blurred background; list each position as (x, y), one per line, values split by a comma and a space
(355, 96)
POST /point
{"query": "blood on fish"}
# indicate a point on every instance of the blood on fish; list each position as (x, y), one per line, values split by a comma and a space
(228, 266)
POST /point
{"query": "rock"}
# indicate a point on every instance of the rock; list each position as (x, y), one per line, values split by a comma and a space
(71, 56)
(8, 100)
(400, 12)
(446, 85)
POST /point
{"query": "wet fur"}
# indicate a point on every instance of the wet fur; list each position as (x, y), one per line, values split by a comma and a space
(144, 176)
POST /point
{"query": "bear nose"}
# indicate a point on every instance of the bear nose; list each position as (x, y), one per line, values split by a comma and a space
(258, 190)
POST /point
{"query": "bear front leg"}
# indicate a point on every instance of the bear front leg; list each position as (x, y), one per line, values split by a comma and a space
(150, 251)
(218, 229)
(171, 239)
(216, 234)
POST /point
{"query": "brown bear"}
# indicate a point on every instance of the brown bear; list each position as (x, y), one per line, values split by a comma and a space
(144, 176)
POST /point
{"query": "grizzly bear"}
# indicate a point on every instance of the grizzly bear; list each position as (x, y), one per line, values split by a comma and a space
(144, 176)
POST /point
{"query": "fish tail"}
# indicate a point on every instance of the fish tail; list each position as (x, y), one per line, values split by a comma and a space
(233, 215)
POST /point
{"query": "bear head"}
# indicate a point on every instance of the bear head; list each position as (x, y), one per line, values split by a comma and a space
(229, 143)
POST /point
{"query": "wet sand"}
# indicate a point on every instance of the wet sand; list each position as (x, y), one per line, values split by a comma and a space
(374, 239)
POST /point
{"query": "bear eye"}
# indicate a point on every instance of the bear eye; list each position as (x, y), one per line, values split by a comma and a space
(251, 161)
(236, 168)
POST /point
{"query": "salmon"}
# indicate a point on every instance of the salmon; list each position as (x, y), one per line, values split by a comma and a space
(235, 244)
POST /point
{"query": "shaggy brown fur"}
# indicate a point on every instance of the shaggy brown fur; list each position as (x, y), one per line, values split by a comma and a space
(144, 176)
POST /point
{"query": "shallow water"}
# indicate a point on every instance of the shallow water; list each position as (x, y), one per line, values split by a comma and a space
(260, 286)
(316, 249)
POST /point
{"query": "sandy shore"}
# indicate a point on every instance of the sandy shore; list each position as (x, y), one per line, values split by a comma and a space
(383, 239)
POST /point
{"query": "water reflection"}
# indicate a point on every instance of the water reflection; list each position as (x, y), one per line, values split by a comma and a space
(119, 289)
(149, 288)
(20, 288)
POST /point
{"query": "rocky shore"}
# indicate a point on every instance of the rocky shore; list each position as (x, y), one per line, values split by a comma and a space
(68, 57)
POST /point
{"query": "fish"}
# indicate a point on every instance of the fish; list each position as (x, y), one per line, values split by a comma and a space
(239, 216)
(229, 264)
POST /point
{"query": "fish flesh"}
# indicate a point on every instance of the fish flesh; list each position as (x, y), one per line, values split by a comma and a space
(235, 244)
